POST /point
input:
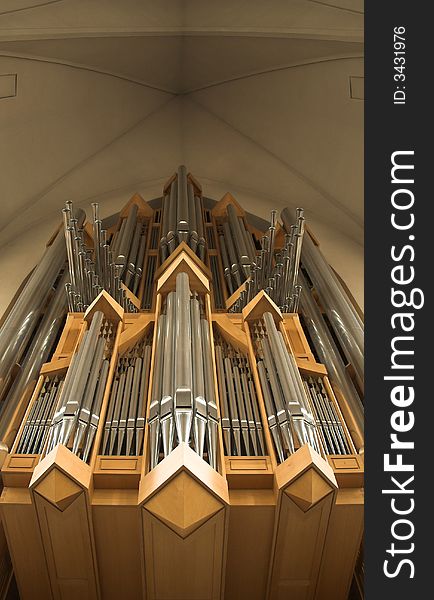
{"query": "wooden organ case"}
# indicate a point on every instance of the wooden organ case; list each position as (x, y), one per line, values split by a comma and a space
(136, 516)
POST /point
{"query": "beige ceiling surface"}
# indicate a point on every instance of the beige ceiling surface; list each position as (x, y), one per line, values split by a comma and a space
(180, 64)
(253, 96)
(334, 19)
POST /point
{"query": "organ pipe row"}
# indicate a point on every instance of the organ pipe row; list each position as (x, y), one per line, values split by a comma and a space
(289, 414)
(77, 412)
(182, 217)
(106, 265)
(237, 248)
(239, 410)
(183, 404)
(38, 352)
(328, 353)
(22, 319)
(326, 417)
(121, 392)
(125, 419)
(40, 418)
(340, 311)
(274, 272)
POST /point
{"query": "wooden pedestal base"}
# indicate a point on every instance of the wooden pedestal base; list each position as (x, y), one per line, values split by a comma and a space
(178, 532)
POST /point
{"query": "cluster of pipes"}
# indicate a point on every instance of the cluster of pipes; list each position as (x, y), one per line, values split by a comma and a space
(25, 338)
(125, 417)
(289, 414)
(342, 317)
(180, 412)
(183, 402)
(276, 273)
(328, 422)
(237, 249)
(35, 432)
(78, 408)
(105, 266)
(182, 219)
(239, 410)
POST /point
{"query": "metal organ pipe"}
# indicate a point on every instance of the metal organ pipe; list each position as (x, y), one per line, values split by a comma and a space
(289, 413)
(342, 315)
(183, 403)
(23, 317)
(274, 272)
(182, 219)
(328, 353)
(105, 266)
(38, 352)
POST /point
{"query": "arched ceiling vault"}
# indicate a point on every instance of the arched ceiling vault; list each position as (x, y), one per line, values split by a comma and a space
(101, 98)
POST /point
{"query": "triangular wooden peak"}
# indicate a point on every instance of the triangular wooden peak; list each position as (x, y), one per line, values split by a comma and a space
(305, 477)
(219, 209)
(183, 247)
(106, 304)
(190, 177)
(259, 305)
(169, 182)
(198, 281)
(197, 187)
(63, 460)
(183, 458)
(143, 208)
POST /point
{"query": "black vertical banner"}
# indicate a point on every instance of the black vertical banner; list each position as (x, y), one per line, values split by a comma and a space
(399, 241)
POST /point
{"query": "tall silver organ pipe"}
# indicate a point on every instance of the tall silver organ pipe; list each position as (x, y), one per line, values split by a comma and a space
(289, 413)
(20, 323)
(183, 403)
(38, 353)
(182, 219)
(104, 266)
(329, 354)
(76, 416)
(340, 311)
(274, 272)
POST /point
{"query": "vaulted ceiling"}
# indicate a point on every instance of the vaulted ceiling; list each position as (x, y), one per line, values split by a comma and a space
(100, 98)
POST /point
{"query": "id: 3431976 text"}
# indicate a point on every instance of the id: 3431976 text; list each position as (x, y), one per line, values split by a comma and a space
(399, 75)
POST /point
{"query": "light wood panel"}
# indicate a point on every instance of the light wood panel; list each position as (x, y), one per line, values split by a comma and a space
(184, 518)
(306, 493)
(250, 536)
(118, 543)
(344, 535)
(60, 490)
(23, 535)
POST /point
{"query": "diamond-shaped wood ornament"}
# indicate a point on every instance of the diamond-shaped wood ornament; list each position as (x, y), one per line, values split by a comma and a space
(183, 504)
(308, 489)
(58, 489)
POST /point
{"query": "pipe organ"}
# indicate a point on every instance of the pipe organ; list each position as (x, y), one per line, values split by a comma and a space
(181, 409)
